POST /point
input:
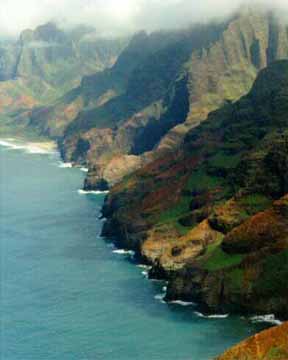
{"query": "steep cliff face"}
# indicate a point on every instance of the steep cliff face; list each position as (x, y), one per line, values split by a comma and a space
(271, 344)
(100, 97)
(178, 79)
(205, 217)
(227, 68)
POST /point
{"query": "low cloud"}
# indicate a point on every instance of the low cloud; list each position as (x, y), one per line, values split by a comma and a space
(117, 16)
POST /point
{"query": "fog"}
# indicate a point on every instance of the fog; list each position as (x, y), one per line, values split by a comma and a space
(117, 16)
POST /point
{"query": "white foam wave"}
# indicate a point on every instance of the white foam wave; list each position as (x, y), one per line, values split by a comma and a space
(124, 252)
(213, 316)
(145, 273)
(84, 169)
(146, 267)
(96, 192)
(182, 303)
(160, 297)
(269, 318)
(63, 165)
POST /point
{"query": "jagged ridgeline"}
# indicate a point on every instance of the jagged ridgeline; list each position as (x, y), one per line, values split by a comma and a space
(162, 85)
(45, 63)
(212, 217)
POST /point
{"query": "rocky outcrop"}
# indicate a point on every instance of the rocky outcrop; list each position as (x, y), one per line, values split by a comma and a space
(246, 272)
(268, 345)
(169, 252)
(103, 175)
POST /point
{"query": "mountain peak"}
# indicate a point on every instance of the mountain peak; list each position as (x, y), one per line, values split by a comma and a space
(48, 32)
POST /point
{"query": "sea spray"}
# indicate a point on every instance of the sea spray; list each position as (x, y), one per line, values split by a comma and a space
(212, 316)
(182, 303)
(269, 318)
(92, 192)
(124, 252)
(64, 165)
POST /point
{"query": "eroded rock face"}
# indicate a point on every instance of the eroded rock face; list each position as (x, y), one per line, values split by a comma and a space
(267, 345)
(103, 175)
(171, 252)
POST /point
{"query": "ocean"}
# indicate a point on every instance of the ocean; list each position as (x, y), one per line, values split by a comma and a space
(66, 293)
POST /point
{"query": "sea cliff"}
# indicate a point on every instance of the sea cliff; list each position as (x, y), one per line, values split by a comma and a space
(211, 218)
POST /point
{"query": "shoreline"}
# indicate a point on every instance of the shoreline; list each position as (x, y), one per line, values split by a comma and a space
(269, 320)
(112, 229)
(31, 146)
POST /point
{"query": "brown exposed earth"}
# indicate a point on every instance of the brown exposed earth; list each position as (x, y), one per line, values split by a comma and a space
(271, 344)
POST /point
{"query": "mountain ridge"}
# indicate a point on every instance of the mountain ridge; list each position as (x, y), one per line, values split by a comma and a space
(202, 68)
(46, 62)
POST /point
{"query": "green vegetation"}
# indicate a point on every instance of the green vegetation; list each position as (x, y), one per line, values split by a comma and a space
(277, 353)
(254, 203)
(217, 259)
(273, 279)
(173, 214)
(234, 279)
(224, 161)
(200, 181)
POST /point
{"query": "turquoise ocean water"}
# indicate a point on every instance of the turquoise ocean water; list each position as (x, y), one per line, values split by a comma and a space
(66, 295)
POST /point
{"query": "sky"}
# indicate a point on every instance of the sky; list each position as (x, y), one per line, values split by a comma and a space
(115, 16)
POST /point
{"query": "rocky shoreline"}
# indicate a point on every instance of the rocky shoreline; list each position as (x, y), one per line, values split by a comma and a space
(187, 282)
